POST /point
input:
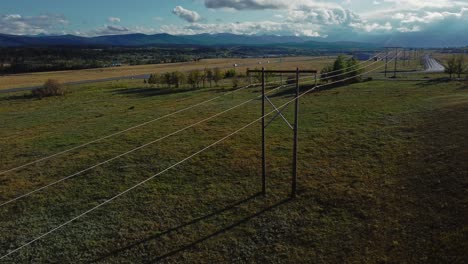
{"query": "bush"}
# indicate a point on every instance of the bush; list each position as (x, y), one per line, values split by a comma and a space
(230, 74)
(50, 88)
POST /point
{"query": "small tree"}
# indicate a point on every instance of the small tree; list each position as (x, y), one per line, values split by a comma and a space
(194, 78)
(167, 79)
(338, 66)
(154, 79)
(451, 66)
(326, 73)
(217, 76)
(352, 67)
(203, 77)
(209, 76)
(177, 79)
(460, 65)
(342, 69)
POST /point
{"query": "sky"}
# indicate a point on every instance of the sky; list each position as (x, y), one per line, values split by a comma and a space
(338, 19)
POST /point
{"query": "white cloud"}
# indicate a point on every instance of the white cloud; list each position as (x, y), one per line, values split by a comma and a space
(113, 19)
(32, 25)
(409, 29)
(247, 28)
(246, 4)
(187, 15)
(323, 15)
(111, 30)
(373, 27)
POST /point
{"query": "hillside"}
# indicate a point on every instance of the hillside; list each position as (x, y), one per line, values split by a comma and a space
(134, 40)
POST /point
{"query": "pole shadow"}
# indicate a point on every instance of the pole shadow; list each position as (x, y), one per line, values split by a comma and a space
(219, 232)
(174, 229)
(149, 92)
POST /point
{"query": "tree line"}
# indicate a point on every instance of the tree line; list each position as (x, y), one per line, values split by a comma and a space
(342, 70)
(193, 78)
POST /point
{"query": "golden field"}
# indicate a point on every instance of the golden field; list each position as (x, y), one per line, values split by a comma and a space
(35, 79)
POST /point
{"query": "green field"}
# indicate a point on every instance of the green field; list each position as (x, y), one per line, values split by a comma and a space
(382, 177)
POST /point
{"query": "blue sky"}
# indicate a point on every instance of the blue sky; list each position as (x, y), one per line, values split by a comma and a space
(321, 19)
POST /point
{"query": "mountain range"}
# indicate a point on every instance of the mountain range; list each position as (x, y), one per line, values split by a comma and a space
(136, 40)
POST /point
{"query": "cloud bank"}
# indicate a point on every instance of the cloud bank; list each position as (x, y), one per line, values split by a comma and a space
(187, 15)
(334, 20)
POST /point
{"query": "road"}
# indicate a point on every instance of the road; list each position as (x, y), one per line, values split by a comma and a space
(432, 65)
(146, 76)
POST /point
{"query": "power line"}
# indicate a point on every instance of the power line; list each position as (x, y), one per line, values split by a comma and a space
(157, 140)
(131, 151)
(129, 129)
(353, 70)
(132, 128)
(169, 168)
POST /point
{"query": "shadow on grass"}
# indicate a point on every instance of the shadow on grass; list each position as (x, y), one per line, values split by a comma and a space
(291, 92)
(146, 92)
(193, 222)
(219, 232)
(434, 81)
(19, 97)
(465, 87)
(254, 89)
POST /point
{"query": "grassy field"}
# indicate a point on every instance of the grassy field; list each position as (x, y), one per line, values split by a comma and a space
(34, 79)
(382, 177)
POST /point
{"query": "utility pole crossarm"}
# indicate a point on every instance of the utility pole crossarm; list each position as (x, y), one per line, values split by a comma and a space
(279, 113)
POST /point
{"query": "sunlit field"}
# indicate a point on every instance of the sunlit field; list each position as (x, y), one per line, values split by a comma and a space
(382, 176)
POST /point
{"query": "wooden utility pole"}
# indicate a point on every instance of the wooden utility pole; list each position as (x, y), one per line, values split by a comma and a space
(396, 62)
(263, 135)
(296, 128)
(386, 61)
(279, 113)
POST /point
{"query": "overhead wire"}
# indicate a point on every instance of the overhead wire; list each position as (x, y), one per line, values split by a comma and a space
(131, 128)
(170, 167)
(157, 140)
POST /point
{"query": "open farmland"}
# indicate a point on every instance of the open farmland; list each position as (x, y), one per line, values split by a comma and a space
(36, 79)
(382, 176)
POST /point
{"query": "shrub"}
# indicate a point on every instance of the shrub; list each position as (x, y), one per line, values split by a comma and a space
(50, 88)
(230, 74)
(235, 82)
(154, 79)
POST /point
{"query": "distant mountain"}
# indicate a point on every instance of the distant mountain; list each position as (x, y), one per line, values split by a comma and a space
(139, 40)
(337, 45)
(135, 40)
(233, 39)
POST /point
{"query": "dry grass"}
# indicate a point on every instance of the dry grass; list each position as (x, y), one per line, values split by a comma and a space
(35, 79)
